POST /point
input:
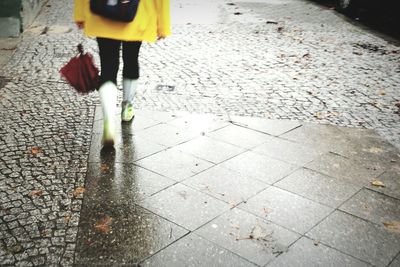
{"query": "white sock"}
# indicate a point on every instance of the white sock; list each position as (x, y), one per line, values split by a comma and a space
(129, 87)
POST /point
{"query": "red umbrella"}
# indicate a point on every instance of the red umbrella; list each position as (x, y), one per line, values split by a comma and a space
(81, 73)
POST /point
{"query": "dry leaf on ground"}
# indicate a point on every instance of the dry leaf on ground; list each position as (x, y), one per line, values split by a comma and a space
(378, 183)
(392, 226)
(103, 226)
(37, 193)
(78, 191)
(104, 167)
(376, 150)
(35, 150)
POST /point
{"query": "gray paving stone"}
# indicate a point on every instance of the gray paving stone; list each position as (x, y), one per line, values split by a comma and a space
(248, 236)
(324, 137)
(395, 262)
(289, 151)
(227, 185)
(185, 206)
(199, 124)
(117, 234)
(373, 206)
(239, 136)
(318, 187)
(166, 135)
(286, 209)
(369, 148)
(361, 239)
(271, 127)
(122, 183)
(391, 181)
(306, 252)
(193, 250)
(260, 167)
(174, 164)
(128, 149)
(210, 149)
(344, 169)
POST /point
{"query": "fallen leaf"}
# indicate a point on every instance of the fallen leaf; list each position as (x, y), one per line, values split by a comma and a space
(392, 226)
(378, 183)
(78, 191)
(35, 150)
(319, 115)
(36, 193)
(376, 150)
(103, 226)
(104, 167)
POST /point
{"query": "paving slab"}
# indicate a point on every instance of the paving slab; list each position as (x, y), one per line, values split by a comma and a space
(374, 207)
(166, 134)
(227, 185)
(321, 136)
(260, 167)
(289, 151)
(128, 149)
(368, 148)
(395, 262)
(354, 236)
(391, 182)
(239, 136)
(248, 236)
(307, 252)
(318, 187)
(210, 149)
(112, 229)
(185, 206)
(199, 123)
(271, 127)
(286, 209)
(193, 250)
(344, 169)
(112, 234)
(122, 182)
(174, 164)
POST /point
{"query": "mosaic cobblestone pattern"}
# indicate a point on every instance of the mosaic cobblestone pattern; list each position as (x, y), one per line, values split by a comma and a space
(44, 144)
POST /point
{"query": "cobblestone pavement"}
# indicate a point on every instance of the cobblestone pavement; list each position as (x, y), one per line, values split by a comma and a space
(288, 59)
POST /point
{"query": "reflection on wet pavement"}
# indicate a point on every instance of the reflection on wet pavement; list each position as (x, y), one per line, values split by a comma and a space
(185, 189)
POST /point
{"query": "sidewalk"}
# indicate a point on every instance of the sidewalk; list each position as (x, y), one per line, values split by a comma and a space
(200, 190)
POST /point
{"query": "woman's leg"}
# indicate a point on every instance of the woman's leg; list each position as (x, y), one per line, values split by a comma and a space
(130, 55)
(109, 58)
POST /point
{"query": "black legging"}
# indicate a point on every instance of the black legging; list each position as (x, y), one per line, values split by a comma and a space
(109, 59)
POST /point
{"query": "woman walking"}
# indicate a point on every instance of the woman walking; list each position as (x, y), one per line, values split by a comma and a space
(151, 22)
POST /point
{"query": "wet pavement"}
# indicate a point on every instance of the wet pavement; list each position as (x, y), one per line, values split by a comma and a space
(266, 134)
(184, 189)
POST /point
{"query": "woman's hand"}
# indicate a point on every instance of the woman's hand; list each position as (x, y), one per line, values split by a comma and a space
(80, 24)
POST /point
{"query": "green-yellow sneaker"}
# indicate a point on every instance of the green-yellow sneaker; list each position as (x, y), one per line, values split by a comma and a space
(128, 113)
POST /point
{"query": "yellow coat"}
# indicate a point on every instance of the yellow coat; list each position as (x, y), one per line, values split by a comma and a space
(152, 20)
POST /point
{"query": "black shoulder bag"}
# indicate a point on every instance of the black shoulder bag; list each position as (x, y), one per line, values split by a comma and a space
(119, 10)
